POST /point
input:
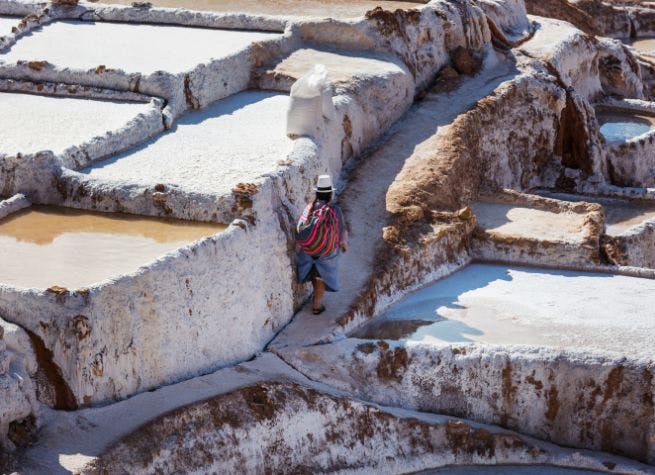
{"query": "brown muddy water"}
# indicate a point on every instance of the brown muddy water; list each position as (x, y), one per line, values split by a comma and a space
(44, 246)
(309, 8)
(617, 126)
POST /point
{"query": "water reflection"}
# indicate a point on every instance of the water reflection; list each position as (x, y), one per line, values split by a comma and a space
(45, 246)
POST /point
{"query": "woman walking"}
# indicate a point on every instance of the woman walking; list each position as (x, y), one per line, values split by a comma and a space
(321, 237)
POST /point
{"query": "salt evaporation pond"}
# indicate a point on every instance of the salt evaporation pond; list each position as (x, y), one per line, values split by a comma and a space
(308, 8)
(32, 123)
(87, 45)
(44, 246)
(520, 221)
(515, 305)
(621, 126)
(645, 45)
(509, 470)
(620, 214)
(7, 23)
(236, 139)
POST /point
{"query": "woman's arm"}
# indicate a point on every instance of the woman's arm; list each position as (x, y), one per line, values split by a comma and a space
(343, 231)
(344, 240)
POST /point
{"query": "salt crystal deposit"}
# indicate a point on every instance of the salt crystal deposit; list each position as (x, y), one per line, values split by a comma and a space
(522, 306)
(234, 140)
(32, 123)
(151, 47)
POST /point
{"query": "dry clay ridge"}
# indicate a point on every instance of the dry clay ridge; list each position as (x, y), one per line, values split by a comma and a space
(494, 161)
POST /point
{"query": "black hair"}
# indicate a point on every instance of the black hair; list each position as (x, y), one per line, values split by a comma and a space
(324, 196)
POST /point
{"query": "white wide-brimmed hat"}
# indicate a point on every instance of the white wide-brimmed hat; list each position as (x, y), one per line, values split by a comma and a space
(324, 184)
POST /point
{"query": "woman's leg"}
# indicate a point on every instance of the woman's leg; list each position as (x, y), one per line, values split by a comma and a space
(319, 291)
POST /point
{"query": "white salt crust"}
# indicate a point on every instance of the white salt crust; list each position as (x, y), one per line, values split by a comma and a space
(234, 140)
(32, 123)
(512, 305)
(152, 48)
(520, 221)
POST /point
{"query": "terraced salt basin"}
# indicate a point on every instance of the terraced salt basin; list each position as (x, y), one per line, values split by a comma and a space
(45, 246)
(32, 123)
(509, 470)
(173, 49)
(7, 23)
(620, 214)
(234, 140)
(523, 306)
(307, 8)
(523, 221)
(645, 45)
(619, 126)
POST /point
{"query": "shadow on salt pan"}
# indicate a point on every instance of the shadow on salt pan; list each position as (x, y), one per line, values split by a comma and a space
(523, 306)
(234, 140)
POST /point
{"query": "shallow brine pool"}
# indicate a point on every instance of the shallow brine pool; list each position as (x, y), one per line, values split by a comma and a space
(524, 306)
(620, 214)
(621, 126)
(645, 45)
(44, 246)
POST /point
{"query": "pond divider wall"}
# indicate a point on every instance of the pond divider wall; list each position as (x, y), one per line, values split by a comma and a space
(592, 400)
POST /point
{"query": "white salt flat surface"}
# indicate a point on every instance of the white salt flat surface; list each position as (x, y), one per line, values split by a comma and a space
(620, 214)
(86, 45)
(509, 470)
(31, 123)
(306, 8)
(341, 67)
(517, 221)
(645, 45)
(234, 140)
(514, 305)
(6, 23)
